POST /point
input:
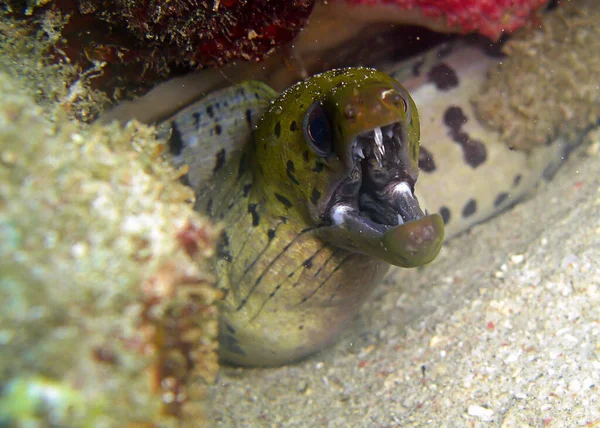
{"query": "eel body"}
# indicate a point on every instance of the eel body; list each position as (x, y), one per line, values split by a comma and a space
(318, 194)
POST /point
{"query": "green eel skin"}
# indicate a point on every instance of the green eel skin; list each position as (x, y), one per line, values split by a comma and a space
(316, 200)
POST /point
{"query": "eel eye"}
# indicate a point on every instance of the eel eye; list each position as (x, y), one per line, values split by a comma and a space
(317, 130)
(395, 98)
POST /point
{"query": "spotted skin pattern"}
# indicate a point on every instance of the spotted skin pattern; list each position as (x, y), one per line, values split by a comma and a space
(294, 275)
(468, 173)
(289, 291)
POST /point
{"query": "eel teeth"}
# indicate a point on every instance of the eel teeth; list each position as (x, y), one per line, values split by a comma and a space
(405, 202)
(379, 148)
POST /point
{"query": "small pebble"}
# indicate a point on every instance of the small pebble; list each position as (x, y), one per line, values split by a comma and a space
(517, 258)
(481, 412)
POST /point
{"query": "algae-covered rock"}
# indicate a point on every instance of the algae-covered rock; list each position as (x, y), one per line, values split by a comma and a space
(547, 87)
(106, 314)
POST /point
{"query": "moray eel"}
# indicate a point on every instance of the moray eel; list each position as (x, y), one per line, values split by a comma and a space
(316, 190)
(316, 205)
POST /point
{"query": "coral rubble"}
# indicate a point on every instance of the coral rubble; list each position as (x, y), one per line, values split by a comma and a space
(548, 85)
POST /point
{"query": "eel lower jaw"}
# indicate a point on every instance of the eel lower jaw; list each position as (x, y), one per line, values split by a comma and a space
(414, 241)
(375, 211)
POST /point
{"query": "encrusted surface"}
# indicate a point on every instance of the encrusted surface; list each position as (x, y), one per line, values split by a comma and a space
(555, 66)
(106, 305)
(501, 330)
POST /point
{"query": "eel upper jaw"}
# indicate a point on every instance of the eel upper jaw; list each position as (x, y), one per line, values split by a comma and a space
(375, 206)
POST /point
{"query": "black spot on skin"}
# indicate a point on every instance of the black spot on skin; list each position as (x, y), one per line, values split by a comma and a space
(454, 118)
(254, 213)
(175, 141)
(229, 328)
(246, 189)
(293, 126)
(300, 327)
(443, 77)
(271, 234)
(318, 167)
(460, 137)
(426, 162)
(209, 206)
(197, 119)
(249, 117)
(223, 248)
(308, 263)
(502, 196)
(474, 151)
(305, 156)
(285, 201)
(516, 180)
(445, 213)
(243, 167)
(277, 130)
(315, 196)
(470, 208)
(220, 160)
(210, 111)
(218, 129)
(290, 170)
(416, 68)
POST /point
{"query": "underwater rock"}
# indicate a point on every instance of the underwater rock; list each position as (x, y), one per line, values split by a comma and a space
(141, 42)
(547, 87)
(107, 312)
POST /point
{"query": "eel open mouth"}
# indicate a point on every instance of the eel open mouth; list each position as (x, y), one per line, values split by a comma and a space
(376, 205)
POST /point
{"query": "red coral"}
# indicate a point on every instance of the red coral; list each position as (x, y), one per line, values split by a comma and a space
(141, 42)
(491, 18)
(205, 32)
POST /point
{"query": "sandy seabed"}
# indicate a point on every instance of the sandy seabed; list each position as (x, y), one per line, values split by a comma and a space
(503, 329)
